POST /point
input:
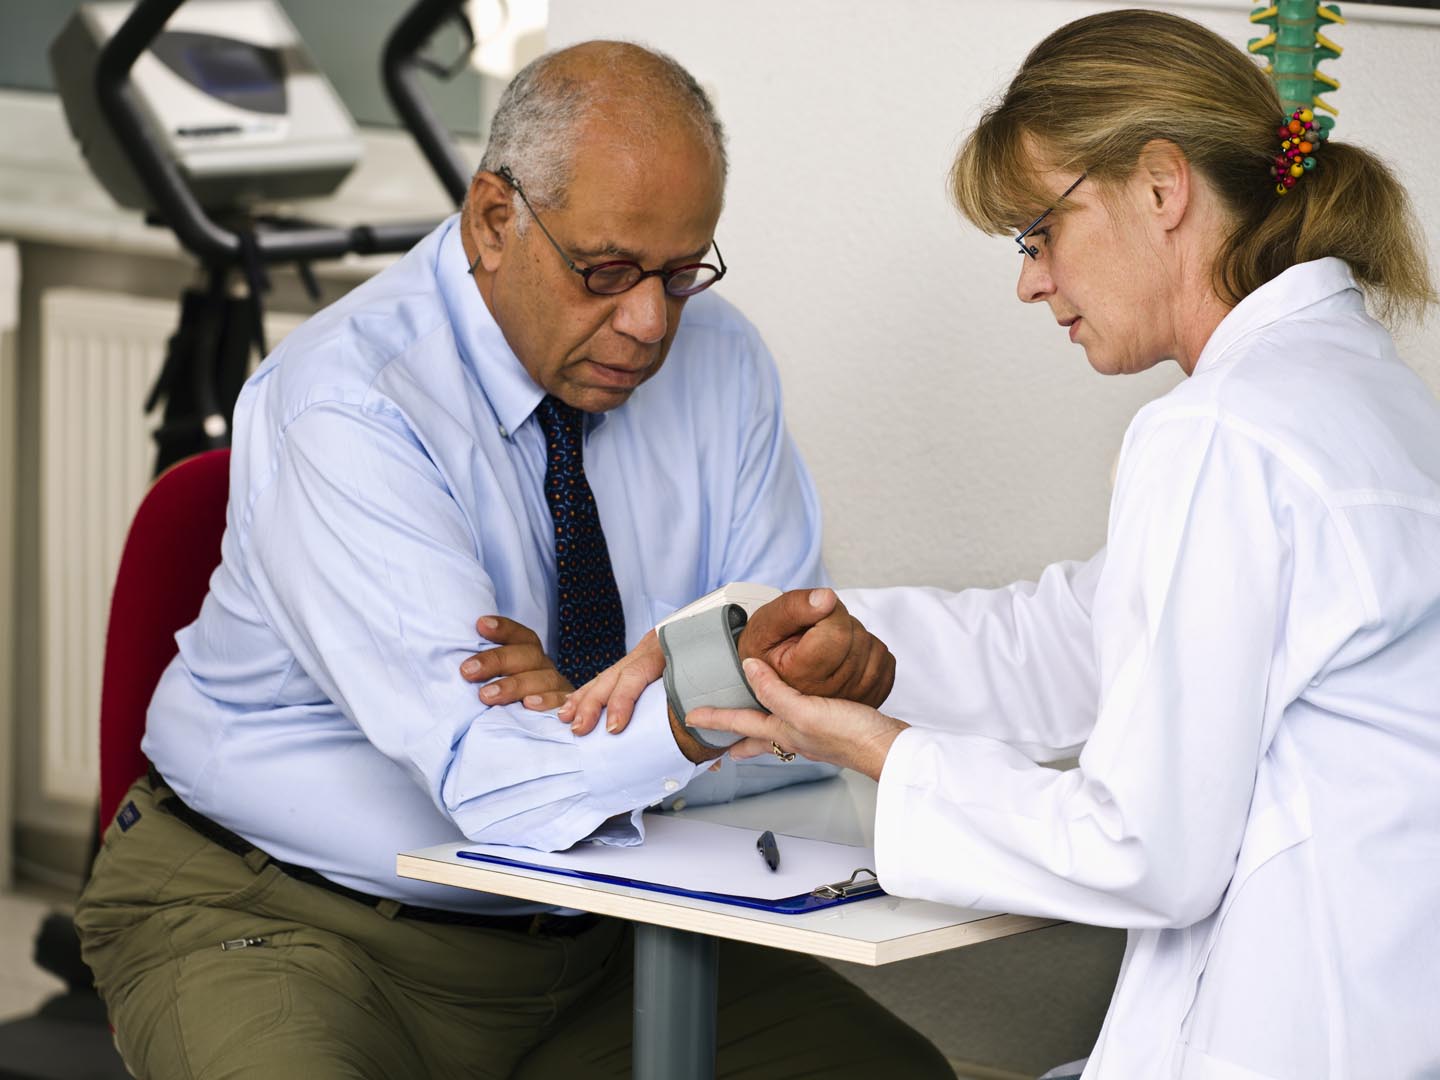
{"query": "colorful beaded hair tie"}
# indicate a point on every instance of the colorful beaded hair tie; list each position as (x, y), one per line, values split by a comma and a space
(1300, 139)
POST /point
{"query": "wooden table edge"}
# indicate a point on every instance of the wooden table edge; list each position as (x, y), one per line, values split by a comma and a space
(716, 923)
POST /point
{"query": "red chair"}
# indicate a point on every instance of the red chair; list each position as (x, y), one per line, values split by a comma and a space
(172, 549)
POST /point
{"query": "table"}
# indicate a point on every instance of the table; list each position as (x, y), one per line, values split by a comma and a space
(676, 938)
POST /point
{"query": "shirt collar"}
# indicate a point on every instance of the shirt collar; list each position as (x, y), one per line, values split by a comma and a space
(1299, 287)
(512, 393)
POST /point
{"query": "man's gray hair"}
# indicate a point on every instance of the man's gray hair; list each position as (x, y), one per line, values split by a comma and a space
(537, 125)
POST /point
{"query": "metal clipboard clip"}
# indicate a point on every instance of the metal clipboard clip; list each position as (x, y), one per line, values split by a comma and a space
(854, 885)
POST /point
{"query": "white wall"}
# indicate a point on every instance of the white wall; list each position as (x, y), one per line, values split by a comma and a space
(9, 324)
(956, 436)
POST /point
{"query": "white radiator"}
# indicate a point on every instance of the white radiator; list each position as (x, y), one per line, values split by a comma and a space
(100, 353)
(9, 458)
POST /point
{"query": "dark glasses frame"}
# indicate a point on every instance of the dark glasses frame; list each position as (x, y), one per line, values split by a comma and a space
(1031, 249)
(630, 272)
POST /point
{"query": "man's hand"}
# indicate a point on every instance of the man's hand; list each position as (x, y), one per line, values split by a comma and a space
(819, 648)
(693, 749)
(806, 635)
(517, 670)
(618, 687)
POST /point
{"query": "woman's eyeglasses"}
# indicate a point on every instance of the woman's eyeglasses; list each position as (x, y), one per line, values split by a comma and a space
(1031, 249)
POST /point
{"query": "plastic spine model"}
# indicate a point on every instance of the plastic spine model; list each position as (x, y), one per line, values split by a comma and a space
(1294, 47)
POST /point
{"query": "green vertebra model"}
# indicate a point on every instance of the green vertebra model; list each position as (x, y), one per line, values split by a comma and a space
(1294, 47)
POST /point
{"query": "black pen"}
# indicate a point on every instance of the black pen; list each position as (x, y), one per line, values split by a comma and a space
(768, 849)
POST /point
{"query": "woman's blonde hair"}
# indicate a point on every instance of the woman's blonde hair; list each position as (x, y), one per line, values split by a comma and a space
(1092, 94)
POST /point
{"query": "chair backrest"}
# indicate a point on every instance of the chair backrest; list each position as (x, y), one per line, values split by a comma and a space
(172, 549)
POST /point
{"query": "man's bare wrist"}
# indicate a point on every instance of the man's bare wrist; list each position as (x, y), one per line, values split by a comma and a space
(693, 749)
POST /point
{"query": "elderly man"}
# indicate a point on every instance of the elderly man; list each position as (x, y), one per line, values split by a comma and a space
(484, 427)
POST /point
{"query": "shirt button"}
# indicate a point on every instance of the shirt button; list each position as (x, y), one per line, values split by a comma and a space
(503, 433)
(671, 785)
(678, 804)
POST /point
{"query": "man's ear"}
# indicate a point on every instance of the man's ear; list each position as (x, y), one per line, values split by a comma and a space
(488, 214)
(1166, 181)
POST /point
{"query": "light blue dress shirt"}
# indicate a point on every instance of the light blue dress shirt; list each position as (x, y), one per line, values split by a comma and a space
(386, 489)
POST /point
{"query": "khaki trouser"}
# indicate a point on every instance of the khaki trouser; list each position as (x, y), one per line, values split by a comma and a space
(336, 989)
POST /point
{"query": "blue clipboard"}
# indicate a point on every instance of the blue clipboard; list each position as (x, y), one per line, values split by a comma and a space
(707, 860)
(861, 885)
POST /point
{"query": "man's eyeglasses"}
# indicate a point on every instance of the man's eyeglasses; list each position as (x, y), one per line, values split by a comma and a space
(622, 275)
(1031, 249)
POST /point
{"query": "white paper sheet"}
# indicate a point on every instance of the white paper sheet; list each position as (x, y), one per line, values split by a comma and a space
(700, 856)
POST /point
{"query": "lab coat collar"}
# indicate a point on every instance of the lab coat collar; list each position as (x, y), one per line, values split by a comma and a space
(1297, 288)
(512, 393)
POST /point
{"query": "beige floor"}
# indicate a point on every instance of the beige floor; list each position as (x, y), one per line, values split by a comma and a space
(1004, 1010)
(1009, 1009)
(23, 986)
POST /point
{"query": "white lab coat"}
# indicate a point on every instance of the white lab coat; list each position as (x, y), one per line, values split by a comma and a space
(1252, 666)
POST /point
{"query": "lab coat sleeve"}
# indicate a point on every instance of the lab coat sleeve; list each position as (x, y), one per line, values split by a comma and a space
(1187, 620)
(1016, 664)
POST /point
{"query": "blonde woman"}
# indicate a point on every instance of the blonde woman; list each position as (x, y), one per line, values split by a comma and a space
(1252, 665)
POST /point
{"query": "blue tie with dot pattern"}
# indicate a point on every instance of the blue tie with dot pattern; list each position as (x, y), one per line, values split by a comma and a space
(592, 621)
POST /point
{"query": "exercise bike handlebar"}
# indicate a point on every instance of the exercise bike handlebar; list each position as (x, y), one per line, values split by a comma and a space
(197, 232)
(399, 65)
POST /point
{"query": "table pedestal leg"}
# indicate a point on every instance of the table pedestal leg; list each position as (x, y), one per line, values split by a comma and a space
(675, 991)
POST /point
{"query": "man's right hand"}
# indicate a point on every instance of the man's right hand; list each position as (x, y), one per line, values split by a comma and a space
(517, 670)
(806, 635)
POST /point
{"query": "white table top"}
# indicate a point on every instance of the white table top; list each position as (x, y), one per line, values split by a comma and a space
(876, 931)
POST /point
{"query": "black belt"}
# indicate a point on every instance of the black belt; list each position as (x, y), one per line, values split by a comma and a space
(545, 923)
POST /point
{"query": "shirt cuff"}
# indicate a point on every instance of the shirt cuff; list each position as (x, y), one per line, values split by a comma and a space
(890, 825)
(640, 765)
(900, 817)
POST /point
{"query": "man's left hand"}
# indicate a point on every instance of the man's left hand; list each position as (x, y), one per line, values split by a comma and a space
(819, 648)
(616, 689)
(517, 669)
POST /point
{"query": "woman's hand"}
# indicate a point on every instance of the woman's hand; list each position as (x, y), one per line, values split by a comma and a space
(517, 670)
(617, 688)
(805, 634)
(844, 733)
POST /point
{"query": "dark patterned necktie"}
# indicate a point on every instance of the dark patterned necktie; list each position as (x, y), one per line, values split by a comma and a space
(592, 622)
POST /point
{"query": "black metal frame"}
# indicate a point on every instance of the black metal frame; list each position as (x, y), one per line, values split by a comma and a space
(399, 67)
(207, 358)
(177, 206)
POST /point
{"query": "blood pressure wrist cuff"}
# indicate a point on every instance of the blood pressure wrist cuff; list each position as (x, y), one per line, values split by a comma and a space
(702, 667)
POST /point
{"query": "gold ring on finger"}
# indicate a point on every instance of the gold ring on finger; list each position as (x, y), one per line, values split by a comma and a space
(781, 754)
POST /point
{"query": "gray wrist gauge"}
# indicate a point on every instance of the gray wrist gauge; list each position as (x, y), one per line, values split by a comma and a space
(702, 667)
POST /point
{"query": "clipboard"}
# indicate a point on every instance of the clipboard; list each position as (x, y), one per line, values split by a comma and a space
(706, 861)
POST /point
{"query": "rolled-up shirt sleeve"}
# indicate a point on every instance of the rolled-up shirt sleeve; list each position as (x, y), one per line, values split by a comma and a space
(364, 565)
